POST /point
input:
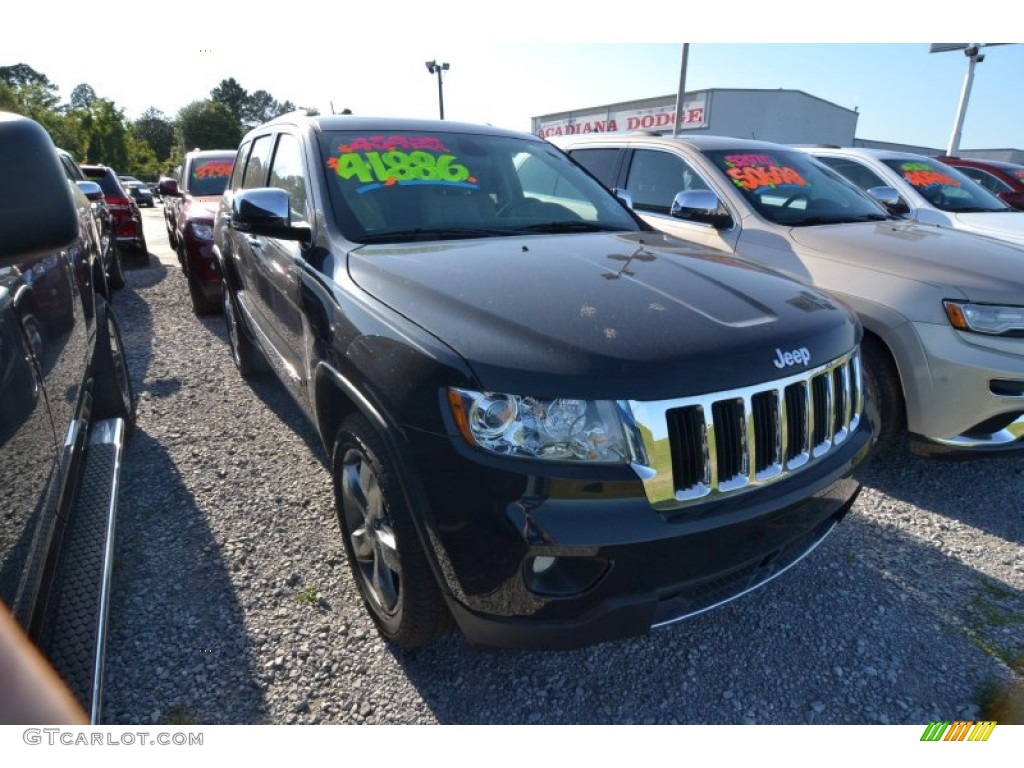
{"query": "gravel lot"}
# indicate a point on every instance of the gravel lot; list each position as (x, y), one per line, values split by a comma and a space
(233, 602)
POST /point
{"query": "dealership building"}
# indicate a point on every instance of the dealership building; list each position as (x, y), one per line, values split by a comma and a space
(782, 116)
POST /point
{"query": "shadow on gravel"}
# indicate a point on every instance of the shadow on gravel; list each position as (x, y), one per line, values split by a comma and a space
(269, 389)
(178, 641)
(136, 321)
(987, 494)
(874, 627)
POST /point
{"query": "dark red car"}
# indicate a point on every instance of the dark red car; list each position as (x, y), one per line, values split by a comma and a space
(1004, 180)
(204, 176)
(125, 211)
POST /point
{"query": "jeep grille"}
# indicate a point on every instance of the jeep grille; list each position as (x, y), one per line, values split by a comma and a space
(694, 448)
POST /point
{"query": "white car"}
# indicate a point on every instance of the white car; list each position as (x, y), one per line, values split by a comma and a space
(929, 191)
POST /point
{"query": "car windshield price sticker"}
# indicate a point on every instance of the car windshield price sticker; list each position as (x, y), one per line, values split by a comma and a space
(924, 175)
(752, 172)
(379, 161)
(211, 170)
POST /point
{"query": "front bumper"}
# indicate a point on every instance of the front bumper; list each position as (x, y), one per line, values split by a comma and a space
(964, 393)
(615, 567)
(201, 265)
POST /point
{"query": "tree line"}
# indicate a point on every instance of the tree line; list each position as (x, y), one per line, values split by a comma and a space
(94, 130)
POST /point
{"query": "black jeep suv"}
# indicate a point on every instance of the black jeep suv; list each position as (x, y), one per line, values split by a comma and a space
(66, 406)
(545, 420)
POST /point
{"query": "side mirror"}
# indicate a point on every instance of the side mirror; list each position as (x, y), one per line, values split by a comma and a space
(890, 198)
(168, 187)
(37, 207)
(625, 196)
(701, 206)
(266, 211)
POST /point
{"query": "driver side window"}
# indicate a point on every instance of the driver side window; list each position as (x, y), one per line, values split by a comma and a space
(655, 178)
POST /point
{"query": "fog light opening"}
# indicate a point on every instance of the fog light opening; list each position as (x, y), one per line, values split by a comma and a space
(563, 576)
(542, 564)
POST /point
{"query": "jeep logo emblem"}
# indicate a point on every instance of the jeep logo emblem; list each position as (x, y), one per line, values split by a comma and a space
(786, 359)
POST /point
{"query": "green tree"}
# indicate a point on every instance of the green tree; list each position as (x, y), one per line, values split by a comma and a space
(142, 160)
(262, 107)
(156, 130)
(208, 125)
(83, 96)
(232, 95)
(105, 134)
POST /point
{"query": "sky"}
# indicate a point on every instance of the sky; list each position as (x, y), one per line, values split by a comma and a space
(514, 62)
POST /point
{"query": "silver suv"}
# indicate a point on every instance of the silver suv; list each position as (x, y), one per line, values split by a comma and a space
(943, 310)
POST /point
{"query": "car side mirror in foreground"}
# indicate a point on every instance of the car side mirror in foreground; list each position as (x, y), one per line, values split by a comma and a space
(37, 208)
(266, 211)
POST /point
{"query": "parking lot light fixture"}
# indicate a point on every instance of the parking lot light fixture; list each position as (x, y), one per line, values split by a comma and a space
(433, 67)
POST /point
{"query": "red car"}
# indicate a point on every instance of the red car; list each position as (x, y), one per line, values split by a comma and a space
(204, 176)
(1004, 180)
(125, 212)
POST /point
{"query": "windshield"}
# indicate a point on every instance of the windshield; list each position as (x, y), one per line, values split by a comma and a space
(439, 186)
(792, 188)
(945, 187)
(209, 175)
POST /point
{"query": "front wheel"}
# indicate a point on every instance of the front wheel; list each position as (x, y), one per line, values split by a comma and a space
(115, 272)
(381, 542)
(248, 359)
(882, 382)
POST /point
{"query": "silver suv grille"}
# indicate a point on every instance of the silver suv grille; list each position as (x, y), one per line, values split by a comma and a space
(723, 443)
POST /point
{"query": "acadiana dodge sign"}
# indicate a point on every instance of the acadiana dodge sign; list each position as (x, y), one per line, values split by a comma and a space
(694, 115)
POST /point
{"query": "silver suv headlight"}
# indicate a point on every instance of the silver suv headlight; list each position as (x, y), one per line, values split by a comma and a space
(985, 318)
(560, 429)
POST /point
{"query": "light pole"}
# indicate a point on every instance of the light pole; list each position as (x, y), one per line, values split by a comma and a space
(432, 67)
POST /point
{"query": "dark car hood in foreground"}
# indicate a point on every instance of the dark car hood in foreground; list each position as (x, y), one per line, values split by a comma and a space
(638, 316)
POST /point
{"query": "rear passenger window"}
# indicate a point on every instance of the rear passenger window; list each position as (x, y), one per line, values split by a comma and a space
(255, 173)
(600, 162)
(855, 172)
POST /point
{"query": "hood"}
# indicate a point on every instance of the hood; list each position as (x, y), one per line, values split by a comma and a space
(981, 268)
(202, 207)
(1004, 225)
(639, 316)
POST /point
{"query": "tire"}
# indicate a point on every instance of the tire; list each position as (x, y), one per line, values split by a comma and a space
(33, 335)
(383, 548)
(142, 253)
(112, 394)
(115, 273)
(882, 383)
(201, 305)
(248, 359)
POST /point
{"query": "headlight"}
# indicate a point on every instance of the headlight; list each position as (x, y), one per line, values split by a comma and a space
(202, 231)
(985, 318)
(562, 429)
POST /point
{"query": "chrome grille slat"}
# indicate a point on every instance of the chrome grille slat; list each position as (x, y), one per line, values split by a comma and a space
(728, 442)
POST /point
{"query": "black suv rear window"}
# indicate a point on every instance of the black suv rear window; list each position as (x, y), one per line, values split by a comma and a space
(106, 178)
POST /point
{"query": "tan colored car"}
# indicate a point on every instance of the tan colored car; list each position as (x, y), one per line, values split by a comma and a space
(943, 310)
